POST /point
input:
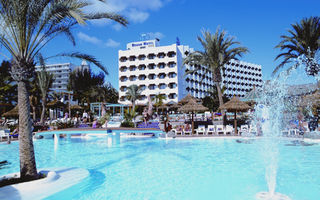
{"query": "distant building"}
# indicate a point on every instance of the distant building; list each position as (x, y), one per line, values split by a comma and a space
(61, 72)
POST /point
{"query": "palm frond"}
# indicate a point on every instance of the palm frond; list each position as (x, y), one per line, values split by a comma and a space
(86, 57)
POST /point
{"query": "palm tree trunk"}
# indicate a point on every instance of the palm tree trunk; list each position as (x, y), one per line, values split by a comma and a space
(34, 113)
(133, 110)
(28, 168)
(220, 96)
(44, 102)
(69, 97)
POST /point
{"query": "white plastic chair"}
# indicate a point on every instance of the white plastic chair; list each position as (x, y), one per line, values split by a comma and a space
(253, 130)
(4, 133)
(244, 129)
(220, 129)
(211, 129)
(228, 130)
(293, 132)
(178, 131)
(201, 130)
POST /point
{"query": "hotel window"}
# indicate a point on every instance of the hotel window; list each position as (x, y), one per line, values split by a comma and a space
(133, 68)
(123, 69)
(152, 87)
(142, 57)
(172, 95)
(143, 97)
(162, 75)
(142, 67)
(123, 88)
(152, 76)
(161, 65)
(123, 79)
(151, 66)
(162, 86)
(142, 87)
(172, 75)
(123, 98)
(172, 85)
(171, 64)
(171, 54)
(151, 56)
(161, 55)
(142, 77)
(133, 78)
(123, 59)
(132, 58)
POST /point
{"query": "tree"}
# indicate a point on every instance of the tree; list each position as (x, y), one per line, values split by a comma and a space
(8, 88)
(133, 93)
(304, 40)
(158, 101)
(106, 93)
(85, 84)
(44, 81)
(26, 27)
(212, 101)
(218, 51)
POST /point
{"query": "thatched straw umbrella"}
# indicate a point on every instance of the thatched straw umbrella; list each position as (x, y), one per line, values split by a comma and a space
(12, 113)
(252, 96)
(235, 105)
(192, 106)
(56, 104)
(187, 98)
(311, 99)
(76, 107)
(4, 107)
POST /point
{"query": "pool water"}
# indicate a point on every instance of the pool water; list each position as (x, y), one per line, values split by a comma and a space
(158, 169)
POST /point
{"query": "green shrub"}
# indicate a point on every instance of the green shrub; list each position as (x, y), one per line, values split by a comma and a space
(127, 124)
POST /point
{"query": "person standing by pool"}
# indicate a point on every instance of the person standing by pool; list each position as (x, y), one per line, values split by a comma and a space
(95, 123)
(84, 115)
(187, 127)
(301, 122)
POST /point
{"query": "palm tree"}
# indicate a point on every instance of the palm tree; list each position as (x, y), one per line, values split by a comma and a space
(217, 52)
(26, 27)
(133, 93)
(33, 103)
(44, 81)
(304, 39)
(158, 101)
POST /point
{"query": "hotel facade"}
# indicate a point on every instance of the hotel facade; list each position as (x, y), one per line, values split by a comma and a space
(159, 70)
(61, 73)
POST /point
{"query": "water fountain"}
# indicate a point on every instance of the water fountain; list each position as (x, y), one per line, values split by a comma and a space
(269, 115)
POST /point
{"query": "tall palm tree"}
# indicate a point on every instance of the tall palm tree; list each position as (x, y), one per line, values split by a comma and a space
(133, 93)
(158, 101)
(217, 51)
(303, 39)
(44, 81)
(26, 27)
(33, 104)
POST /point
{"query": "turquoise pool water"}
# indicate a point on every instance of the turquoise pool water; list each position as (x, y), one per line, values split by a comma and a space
(152, 169)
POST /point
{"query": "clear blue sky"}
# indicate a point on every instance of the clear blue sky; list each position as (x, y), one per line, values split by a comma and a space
(257, 24)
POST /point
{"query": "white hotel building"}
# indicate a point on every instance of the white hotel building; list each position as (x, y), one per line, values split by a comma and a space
(159, 70)
(61, 73)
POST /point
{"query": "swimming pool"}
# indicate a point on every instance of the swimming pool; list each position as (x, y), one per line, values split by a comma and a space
(150, 168)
